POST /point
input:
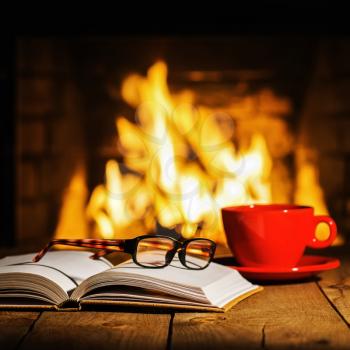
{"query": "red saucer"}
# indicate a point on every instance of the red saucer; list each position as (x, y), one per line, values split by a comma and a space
(308, 266)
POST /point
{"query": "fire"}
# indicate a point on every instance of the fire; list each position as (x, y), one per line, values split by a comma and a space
(309, 192)
(183, 166)
(72, 221)
(181, 163)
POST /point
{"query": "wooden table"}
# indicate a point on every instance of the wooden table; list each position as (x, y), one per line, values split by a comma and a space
(313, 314)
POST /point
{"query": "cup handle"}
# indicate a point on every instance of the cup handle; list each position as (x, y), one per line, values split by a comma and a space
(316, 243)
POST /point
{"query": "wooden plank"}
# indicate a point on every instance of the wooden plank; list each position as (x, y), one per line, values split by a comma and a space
(296, 315)
(98, 330)
(14, 325)
(336, 286)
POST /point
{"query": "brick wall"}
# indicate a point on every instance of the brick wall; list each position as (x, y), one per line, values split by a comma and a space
(325, 125)
(44, 90)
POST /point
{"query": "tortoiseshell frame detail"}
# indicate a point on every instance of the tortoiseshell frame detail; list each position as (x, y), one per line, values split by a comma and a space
(130, 246)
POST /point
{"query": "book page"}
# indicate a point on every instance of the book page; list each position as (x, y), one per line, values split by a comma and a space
(140, 295)
(18, 277)
(65, 268)
(213, 285)
(178, 274)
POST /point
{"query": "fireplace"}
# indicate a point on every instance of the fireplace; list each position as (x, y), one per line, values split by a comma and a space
(122, 136)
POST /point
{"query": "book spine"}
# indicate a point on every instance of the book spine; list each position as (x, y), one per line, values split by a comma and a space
(69, 305)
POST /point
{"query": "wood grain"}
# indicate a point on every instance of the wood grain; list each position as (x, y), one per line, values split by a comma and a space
(14, 325)
(295, 315)
(98, 330)
(336, 286)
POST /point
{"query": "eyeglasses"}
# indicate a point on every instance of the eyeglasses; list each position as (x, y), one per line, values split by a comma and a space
(150, 251)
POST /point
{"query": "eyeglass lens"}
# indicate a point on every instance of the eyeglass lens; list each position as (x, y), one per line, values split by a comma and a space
(152, 252)
(198, 254)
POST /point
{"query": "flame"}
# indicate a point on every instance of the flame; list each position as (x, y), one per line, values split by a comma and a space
(114, 207)
(182, 163)
(189, 167)
(72, 221)
(309, 192)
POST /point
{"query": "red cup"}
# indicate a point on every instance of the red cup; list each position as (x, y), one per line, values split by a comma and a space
(273, 235)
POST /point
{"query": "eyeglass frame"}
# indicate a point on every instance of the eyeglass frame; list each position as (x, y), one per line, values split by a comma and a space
(129, 246)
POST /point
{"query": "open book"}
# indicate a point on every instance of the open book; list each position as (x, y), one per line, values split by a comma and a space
(70, 279)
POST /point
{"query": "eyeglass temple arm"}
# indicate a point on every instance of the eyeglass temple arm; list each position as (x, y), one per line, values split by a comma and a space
(110, 245)
(101, 253)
